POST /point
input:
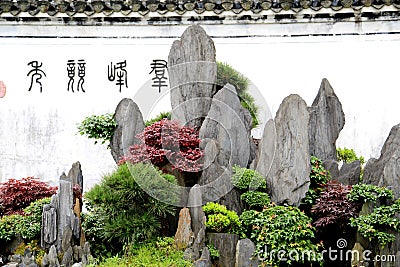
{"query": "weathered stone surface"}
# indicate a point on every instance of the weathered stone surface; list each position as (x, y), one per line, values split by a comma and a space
(266, 149)
(385, 171)
(357, 252)
(129, 123)
(86, 256)
(75, 175)
(350, 173)
(199, 243)
(66, 239)
(244, 254)
(226, 245)
(184, 234)
(195, 208)
(192, 73)
(326, 121)
(15, 258)
(288, 178)
(68, 258)
(205, 259)
(52, 257)
(78, 252)
(227, 126)
(78, 264)
(49, 226)
(333, 167)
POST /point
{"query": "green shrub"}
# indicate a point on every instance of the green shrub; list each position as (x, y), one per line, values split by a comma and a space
(246, 179)
(158, 253)
(221, 220)
(123, 211)
(214, 252)
(369, 193)
(27, 226)
(283, 228)
(376, 225)
(227, 74)
(348, 155)
(98, 127)
(256, 199)
(319, 176)
(159, 117)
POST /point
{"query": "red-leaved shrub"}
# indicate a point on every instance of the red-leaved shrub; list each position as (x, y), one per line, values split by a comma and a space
(166, 141)
(15, 195)
(333, 207)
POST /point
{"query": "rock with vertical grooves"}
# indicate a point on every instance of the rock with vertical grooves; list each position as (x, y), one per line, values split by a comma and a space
(75, 175)
(227, 126)
(226, 246)
(64, 204)
(266, 149)
(288, 178)
(244, 254)
(192, 71)
(326, 121)
(184, 235)
(86, 255)
(195, 208)
(130, 122)
(385, 171)
(49, 226)
(52, 257)
(68, 257)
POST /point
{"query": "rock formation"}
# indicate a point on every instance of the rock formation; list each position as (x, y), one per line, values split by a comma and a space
(326, 121)
(192, 72)
(129, 121)
(288, 177)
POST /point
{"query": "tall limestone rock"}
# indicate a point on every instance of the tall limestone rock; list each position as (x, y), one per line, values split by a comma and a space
(192, 73)
(284, 152)
(326, 121)
(226, 140)
(129, 123)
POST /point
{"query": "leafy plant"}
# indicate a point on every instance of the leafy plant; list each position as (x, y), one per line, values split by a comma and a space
(34, 247)
(98, 127)
(369, 193)
(375, 226)
(214, 252)
(166, 141)
(319, 176)
(156, 253)
(247, 179)
(15, 194)
(27, 225)
(281, 228)
(159, 117)
(256, 199)
(221, 220)
(121, 211)
(348, 155)
(227, 74)
(333, 207)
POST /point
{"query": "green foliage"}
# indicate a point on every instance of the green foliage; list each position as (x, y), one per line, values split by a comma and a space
(375, 226)
(158, 253)
(246, 179)
(369, 193)
(159, 117)
(319, 176)
(220, 219)
(34, 247)
(227, 74)
(348, 155)
(214, 252)
(281, 228)
(98, 127)
(27, 226)
(121, 212)
(256, 199)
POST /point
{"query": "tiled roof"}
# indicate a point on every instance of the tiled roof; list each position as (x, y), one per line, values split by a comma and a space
(178, 8)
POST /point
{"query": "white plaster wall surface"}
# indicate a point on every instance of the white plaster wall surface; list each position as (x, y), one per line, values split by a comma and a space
(38, 134)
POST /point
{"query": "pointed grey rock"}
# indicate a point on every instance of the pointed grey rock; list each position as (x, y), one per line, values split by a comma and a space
(288, 178)
(205, 259)
(385, 171)
(326, 121)
(192, 73)
(129, 123)
(68, 258)
(52, 257)
(350, 173)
